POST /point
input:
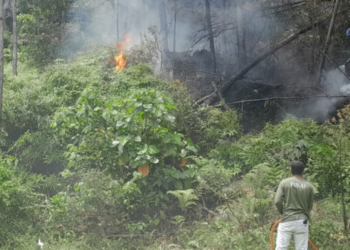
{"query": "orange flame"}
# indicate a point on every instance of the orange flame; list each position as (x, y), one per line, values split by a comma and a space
(120, 60)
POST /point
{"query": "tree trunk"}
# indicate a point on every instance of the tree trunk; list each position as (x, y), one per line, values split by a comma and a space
(227, 84)
(345, 218)
(211, 36)
(2, 26)
(14, 33)
(326, 44)
(163, 26)
(117, 17)
(115, 6)
(226, 42)
(242, 53)
(341, 181)
(175, 23)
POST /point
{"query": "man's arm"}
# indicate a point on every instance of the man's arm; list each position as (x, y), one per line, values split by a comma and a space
(279, 199)
(311, 200)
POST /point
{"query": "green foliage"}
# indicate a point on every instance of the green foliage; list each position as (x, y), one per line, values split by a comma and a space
(41, 25)
(145, 130)
(37, 154)
(25, 105)
(224, 235)
(149, 50)
(261, 181)
(218, 125)
(277, 146)
(185, 197)
(94, 205)
(121, 133)
(126, 138)
(326, 229)
(208, 126)
(215, 183)
(330, 155)
(17, 202)
(31, 100)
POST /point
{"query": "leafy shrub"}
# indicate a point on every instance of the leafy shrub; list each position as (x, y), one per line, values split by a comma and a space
(261, 182)
(125, 137)
(42, 24)
(94, 205)
(186, 198)
(215, 183)
(18, 202)
(208, 126)
(149, 51)
(223, 235)
(330, 155)
(277, 146)
(32, 98)
(122, 133)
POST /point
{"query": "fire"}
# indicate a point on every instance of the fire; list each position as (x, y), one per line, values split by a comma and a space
(120, 60)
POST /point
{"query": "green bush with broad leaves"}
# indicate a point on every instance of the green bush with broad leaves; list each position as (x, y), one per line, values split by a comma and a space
(18, 202)
(122, 134)
(120, 147)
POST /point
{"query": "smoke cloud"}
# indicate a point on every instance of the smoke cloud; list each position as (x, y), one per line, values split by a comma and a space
(105, 22)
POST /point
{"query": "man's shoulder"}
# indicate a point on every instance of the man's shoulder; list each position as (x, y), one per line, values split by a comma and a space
(287, 180)
(296, 182)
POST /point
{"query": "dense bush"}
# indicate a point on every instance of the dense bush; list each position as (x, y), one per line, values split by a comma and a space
(123, 150)
(93, 158)
(276, 145)
(18, 202)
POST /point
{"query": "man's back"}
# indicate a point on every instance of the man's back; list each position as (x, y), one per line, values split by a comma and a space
(294, 199)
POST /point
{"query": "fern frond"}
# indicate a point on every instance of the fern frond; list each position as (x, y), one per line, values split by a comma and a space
(186, 198)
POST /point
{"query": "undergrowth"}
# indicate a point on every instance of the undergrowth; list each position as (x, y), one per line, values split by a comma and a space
(98, 159)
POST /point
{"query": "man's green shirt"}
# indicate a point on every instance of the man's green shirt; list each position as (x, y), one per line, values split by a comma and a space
(294, 199)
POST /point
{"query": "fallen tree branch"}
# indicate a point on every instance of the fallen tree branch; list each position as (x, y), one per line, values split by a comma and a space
(206, 209)
(295, 4)
(326, 44)
(289, 97)
(222, 99)
(205, 98)
(327, 57)
(227, 85)
(195, 71)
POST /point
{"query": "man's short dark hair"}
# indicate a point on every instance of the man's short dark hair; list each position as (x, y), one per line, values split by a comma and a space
(297, 168)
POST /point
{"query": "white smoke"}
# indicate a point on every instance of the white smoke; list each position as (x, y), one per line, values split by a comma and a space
(345, 89)
(102, 22)
(336, 82)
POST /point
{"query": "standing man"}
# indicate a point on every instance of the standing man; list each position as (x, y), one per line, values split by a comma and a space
(294, 201)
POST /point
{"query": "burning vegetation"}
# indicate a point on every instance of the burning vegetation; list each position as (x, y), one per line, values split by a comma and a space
(120, 60)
